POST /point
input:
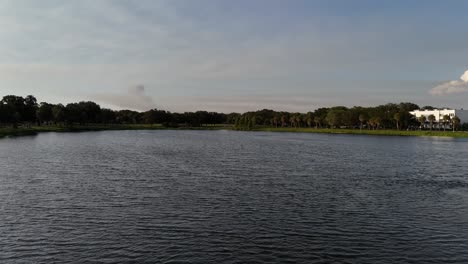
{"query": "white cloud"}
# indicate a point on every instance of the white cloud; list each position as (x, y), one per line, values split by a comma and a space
(452, 87)
(464, 77)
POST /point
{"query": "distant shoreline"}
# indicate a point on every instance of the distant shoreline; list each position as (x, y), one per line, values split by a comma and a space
(380, 132)
(34, 130)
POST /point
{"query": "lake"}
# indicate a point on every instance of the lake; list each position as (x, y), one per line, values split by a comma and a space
(232, 197)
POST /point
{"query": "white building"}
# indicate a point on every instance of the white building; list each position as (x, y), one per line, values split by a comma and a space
(440, 113)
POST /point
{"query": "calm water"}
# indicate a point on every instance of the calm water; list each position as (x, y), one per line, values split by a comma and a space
(232, 197)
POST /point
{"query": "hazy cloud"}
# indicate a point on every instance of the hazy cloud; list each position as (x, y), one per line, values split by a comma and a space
(452, 87)
(135, 99)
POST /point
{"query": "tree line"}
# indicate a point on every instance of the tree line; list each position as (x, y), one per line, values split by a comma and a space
(17, 110)
(388, 116)
(26, 111)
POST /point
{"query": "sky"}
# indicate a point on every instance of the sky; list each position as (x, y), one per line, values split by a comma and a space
(243, 55)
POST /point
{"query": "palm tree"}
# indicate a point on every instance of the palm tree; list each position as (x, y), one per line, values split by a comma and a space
(377, 122)
(253, 122)
(445, 120)
(371, 123)
(397, 118)
(275, 121)
(292, 120)
(308, 119)
(317, 121)
(362, 119)
(431, 119)
(422, 120)
(283, 120)
(455, 122)
(298, 120)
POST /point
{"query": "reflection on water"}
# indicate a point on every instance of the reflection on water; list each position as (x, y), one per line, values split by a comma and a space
(232, 197)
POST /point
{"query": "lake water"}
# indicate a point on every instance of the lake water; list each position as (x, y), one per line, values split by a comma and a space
(232, 197)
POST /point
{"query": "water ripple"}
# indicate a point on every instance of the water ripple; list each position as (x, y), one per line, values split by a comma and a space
(232, 197)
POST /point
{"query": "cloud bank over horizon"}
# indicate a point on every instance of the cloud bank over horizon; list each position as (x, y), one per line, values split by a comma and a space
(452, 87)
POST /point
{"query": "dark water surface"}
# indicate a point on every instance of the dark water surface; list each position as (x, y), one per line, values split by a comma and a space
(232, 197)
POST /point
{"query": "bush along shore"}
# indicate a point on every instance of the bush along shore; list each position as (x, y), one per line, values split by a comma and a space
(25, 116)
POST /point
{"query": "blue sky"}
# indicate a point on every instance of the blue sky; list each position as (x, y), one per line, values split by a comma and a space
(235, 55)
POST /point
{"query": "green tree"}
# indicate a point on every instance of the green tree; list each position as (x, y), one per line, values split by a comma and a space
(375, 122)
(253, 122)
(44, 113)
(16, 119)
(397, 118)
(455, 122)
(298, 119)
(445, 121)
(309, 119)
(292, 121)
(335, 117)
(107, 116)
(276, 120)
(13, 107)
(317, 121)
(58, 112)
(150, 117)
(431, 119)
(30, 109)
(422, 120)
(284, 119)
(362, 119)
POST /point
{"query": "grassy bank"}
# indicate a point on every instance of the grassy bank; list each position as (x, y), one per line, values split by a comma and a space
(24, 131)
(424, 133)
